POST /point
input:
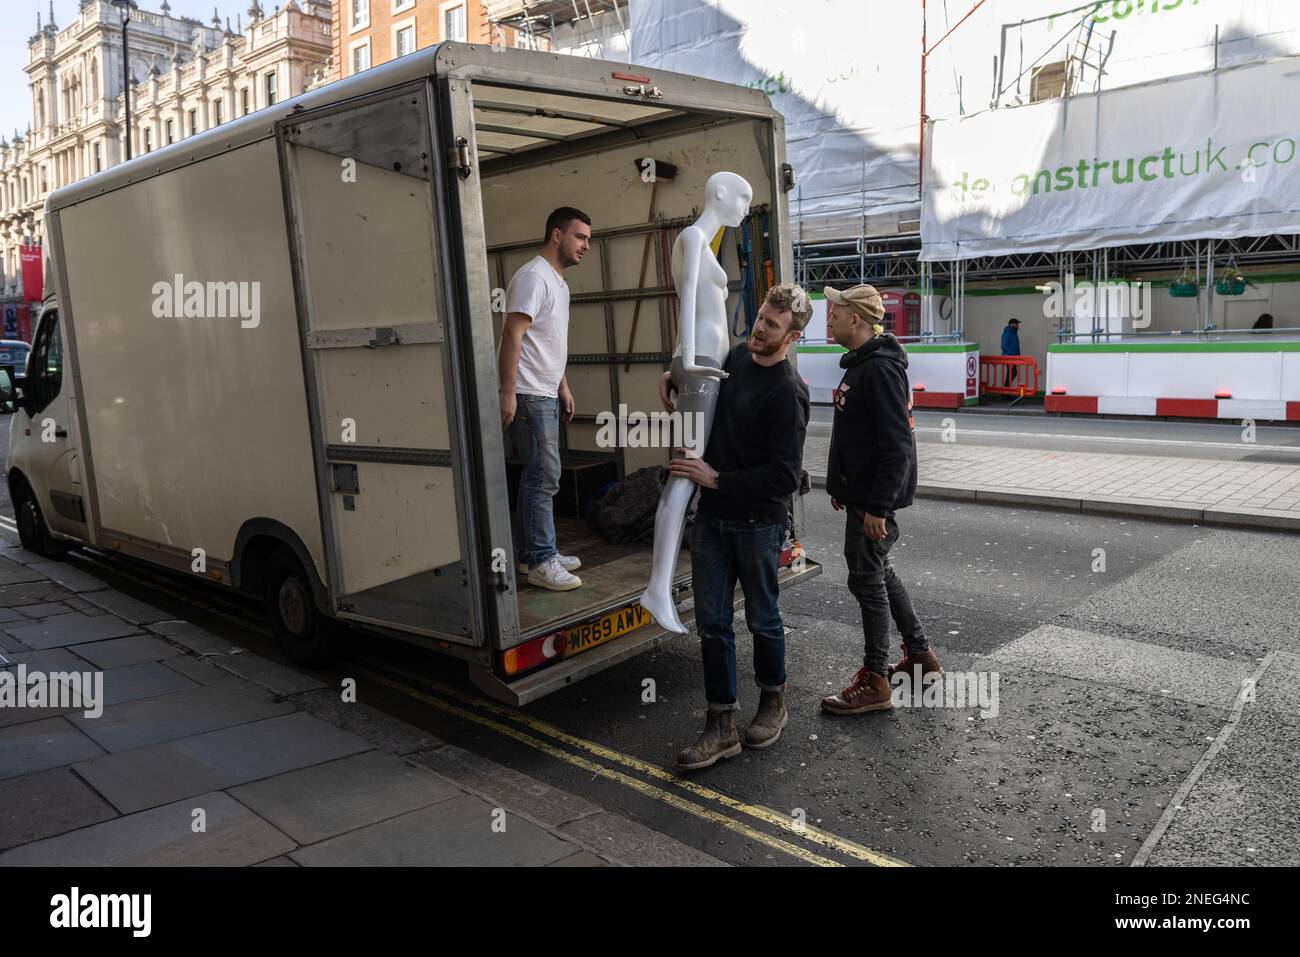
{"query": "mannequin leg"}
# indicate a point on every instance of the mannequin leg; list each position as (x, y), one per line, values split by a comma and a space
(698, 400)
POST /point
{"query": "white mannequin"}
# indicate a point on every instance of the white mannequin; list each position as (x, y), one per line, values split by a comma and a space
(702, 344)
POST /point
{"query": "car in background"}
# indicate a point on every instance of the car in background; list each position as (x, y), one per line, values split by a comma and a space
(13, 353)
(13, 362)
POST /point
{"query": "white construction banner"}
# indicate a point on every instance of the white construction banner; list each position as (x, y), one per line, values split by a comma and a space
(851, 109)
(1208, 155)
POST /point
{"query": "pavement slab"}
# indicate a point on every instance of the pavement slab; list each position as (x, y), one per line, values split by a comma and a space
(120, 652)
(452, 833)
(46, 803)
(181, 714)
(160, 773)
(38, 745)
(70, 576)
(232, 836)
(325, 800)
(72, 628)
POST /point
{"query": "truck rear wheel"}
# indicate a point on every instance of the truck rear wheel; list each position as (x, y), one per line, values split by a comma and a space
(32, 532)
(303, 634)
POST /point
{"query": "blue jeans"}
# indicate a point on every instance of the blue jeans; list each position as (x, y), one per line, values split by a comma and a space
(722, 553)
(535, 433)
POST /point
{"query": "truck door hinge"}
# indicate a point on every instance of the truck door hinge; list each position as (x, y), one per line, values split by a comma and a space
(459, 157)
(653, 93)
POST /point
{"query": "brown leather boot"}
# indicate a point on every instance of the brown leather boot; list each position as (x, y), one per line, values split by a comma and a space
(719, 740)
(867, 692)
(928, 661)
(768, 722)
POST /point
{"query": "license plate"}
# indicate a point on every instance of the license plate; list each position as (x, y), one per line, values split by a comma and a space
(606, 628)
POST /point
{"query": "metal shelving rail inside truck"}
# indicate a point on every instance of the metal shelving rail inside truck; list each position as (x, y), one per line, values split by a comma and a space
(269, 354)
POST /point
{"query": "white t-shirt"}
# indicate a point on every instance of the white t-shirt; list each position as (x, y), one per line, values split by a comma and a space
(538, 291)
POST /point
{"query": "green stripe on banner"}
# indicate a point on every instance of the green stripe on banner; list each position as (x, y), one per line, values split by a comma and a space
(1069, 347)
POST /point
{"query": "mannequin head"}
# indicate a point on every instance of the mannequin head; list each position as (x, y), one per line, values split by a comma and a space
(728, 197)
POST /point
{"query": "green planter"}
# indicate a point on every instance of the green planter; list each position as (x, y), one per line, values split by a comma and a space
(1182, 290)
(1230, 287)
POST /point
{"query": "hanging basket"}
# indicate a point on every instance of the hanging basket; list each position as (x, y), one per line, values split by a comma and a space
(1232, 283)
(1184, 286)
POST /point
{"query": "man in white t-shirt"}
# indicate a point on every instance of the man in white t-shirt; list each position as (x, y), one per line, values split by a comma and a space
(535, 394)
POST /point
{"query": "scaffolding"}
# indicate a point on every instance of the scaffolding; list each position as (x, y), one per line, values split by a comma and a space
(536, 18)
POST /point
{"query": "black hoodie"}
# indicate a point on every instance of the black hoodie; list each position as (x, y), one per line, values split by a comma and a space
(872, 462)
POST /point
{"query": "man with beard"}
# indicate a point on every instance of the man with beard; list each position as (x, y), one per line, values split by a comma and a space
(749, 471)
(535, 394)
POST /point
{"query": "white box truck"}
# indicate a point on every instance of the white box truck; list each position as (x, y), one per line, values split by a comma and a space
(268, 353)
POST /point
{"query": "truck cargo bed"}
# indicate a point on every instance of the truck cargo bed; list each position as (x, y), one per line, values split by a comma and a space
(612, 576)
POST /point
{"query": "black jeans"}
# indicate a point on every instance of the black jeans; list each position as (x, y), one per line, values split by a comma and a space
(880, 592)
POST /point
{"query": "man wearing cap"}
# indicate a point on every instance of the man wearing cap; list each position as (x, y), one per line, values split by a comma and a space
(871, 473)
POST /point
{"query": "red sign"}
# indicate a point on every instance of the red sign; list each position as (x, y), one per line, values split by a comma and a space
(33, 279)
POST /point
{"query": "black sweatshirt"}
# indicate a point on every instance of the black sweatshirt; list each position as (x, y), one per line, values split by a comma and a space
(872, 462)
(756, 444)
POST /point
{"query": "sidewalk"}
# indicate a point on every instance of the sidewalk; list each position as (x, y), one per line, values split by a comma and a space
(207, 754)
(1203, 491)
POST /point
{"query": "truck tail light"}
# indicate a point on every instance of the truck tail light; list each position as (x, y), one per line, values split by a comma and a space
(532, 653)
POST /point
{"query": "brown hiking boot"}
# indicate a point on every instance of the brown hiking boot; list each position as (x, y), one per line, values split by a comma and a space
(928, 661)
(867, 692)
(768, 722)
(719, 740)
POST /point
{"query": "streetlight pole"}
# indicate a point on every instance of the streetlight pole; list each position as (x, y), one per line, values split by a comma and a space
(124, 8)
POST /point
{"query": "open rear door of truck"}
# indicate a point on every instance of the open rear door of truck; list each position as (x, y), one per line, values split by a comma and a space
(374, 286)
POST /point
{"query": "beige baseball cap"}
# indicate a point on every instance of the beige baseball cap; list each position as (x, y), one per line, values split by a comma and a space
(863, 299)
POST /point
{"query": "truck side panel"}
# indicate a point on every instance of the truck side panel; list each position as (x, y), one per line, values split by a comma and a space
(195, 424)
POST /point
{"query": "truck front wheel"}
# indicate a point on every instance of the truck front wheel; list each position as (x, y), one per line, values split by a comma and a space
(301, 631)
(33, 534)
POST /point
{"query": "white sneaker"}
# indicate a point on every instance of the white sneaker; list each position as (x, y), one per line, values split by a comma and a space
(551, 575)
(570, 563)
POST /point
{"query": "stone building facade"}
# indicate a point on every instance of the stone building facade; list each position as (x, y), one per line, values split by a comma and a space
(187, 77)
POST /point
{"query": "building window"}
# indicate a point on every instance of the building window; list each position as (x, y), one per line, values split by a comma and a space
(243, 102)
(99, 159)
(361, 55)
(194, 122)
(360, 13)
(400, 5)
(219, 111)
(404, 38)
(271, 89)
(170, 129)
(148, 140)
(453, 22)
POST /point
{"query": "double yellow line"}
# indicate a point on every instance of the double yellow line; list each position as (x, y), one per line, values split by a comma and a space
(731, 822)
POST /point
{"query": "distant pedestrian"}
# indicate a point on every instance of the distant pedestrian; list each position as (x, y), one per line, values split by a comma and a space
(1011, 346)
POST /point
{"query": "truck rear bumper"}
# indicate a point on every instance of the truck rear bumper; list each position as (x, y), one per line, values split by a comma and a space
(538, 684)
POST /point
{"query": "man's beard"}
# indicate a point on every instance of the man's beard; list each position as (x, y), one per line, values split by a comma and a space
(571, 259)
(769, 347)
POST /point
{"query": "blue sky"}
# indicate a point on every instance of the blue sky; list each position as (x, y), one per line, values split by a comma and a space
(20, 24)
